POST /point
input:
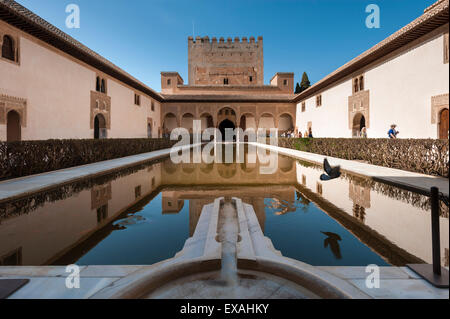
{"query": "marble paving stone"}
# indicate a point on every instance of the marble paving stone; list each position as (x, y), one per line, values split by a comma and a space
(109, 271)
(410, 273)
(402, 289)
(55, 288)
(35, 271)
(356, 272)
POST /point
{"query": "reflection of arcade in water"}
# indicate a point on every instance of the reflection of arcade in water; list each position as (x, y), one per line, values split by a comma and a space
(202, 183)
(62, 225)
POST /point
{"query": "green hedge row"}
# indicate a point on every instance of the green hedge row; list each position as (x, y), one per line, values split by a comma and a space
(24, 158)
(426, 156)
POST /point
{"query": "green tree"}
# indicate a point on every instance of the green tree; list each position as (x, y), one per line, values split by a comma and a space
(305, 82)
(297, 88)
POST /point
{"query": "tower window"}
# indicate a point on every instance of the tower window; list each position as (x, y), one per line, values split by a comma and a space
(285, 82)
(100, 85)
(8, 50)
(97, 84)
(225, 81)
(137, 99)
(169, 82)
(103, 86)
(319, 100)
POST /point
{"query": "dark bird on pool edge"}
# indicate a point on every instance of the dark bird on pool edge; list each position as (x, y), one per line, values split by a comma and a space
(331, 172)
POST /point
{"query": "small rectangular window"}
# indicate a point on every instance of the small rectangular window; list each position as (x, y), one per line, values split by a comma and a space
(303, 106)
(319, 188)
(250, 78)
(153, 106)
(102, 213)
(319, 100)
(446, 48)
(137, 99)
(225, 81)
(137, 191)
(169, 81)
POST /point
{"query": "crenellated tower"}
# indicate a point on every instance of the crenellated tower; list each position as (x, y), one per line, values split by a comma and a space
(230, 62)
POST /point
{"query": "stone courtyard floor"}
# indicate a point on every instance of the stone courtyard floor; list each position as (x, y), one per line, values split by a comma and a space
(48, 282)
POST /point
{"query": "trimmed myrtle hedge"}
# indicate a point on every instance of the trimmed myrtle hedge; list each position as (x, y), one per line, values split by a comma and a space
(426, 156)
(24, 158)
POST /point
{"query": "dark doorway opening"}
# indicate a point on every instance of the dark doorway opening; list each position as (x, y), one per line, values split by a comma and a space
(13, 128)
(443, 124)
(359, 121)
(362, 122)
(224, 125)
(99, 127)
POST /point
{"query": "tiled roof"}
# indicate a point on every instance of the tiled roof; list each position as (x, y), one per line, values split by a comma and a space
(22, 18)
(434, 16)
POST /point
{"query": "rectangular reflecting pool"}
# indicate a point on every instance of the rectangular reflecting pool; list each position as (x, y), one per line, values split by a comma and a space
(144, 214)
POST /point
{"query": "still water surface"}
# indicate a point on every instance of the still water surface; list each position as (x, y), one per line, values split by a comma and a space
(143, 215)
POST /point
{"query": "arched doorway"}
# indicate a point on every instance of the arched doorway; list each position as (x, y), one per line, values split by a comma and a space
(285, 123)
(187, 122)
(99, 126)
(359, 121)
(226, 113)
(247, 121)
(266, 122)
(443, 124)
(207, 121)
(13, 128)
(169, 123)
(224, 125)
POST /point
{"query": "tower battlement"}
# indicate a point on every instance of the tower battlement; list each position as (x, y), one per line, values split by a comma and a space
(206, 40)
(225, 61)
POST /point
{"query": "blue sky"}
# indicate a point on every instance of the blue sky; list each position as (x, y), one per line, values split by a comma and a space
(145, 37)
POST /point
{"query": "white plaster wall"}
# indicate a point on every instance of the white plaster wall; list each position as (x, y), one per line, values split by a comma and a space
(401, 87)
(127, 119)
(57, 89)
(330, 119)
(57, 92)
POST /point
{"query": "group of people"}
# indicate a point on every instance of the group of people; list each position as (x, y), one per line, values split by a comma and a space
(392, 133)
(298, 134)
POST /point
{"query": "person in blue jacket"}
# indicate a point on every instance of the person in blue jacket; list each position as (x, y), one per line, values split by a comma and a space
(392, 133)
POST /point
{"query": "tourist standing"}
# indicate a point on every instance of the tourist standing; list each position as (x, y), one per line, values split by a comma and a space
(310, 134)
(364, 132)
(392, 133)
